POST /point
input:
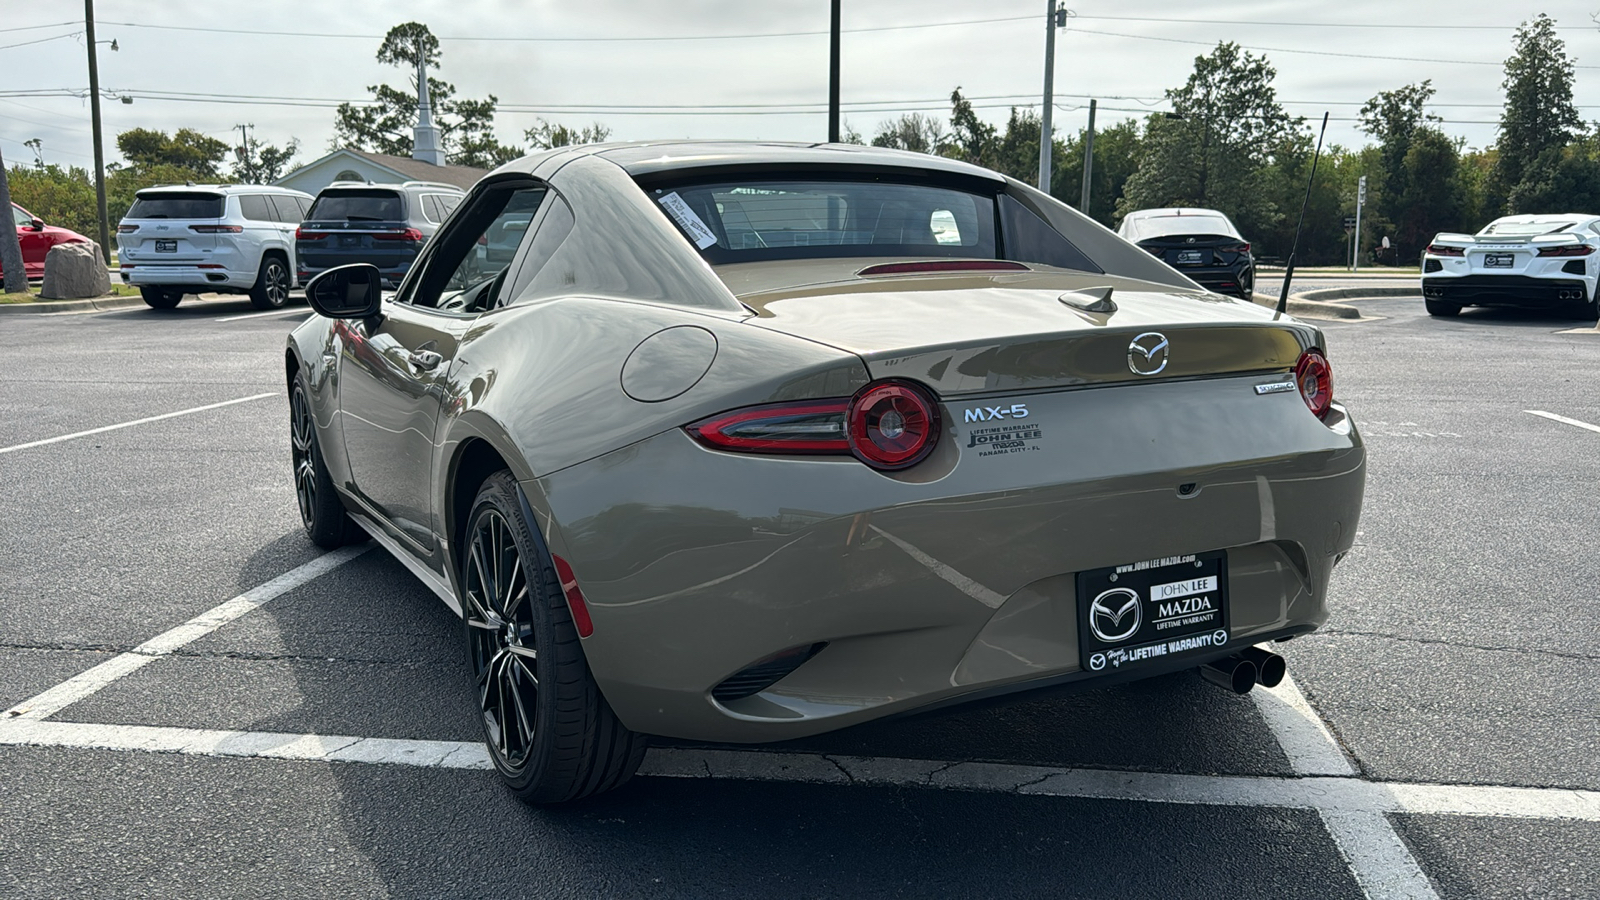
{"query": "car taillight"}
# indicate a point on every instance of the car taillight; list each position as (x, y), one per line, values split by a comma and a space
(216, 229)
(127, 229)
(892, 425)
(810, 426)
(1444, 250)
(1314, 377)
(1567, 250)
(300, 234)
(1235, 248)
(887, 425)
(410, 234)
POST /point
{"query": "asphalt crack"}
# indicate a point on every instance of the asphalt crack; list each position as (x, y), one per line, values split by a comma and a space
(1559, 654)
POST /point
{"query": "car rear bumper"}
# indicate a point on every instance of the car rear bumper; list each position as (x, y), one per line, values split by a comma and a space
(697, 564)
(187, 276)
(1222, 279)
(1506, 290)
(392, 276)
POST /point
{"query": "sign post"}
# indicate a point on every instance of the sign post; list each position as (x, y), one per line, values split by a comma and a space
(1355, 249)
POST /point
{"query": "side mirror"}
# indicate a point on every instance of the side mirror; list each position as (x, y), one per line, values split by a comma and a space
(347, 292)
(37, 224)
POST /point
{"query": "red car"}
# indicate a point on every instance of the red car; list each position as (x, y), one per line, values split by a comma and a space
(37, 238)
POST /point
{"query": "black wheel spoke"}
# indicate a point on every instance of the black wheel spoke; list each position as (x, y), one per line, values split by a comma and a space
(500, 626)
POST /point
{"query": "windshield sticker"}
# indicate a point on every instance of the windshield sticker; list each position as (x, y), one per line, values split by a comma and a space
(687, 220)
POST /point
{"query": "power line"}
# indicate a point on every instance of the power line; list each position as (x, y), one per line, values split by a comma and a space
(1147, 37)
(565, 40)
(1318, 24)
(37, 27)
(42, 40)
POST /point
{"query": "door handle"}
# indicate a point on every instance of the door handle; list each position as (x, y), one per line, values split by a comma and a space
(425, 359)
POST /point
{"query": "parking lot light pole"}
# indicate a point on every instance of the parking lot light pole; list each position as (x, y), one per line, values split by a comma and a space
(833, 75)
(94, 113)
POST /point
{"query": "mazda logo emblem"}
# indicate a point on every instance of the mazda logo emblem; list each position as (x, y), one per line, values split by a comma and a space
(1116, 615)
(1147, 355)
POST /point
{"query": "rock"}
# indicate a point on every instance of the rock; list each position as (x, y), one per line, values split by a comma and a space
(74, 271)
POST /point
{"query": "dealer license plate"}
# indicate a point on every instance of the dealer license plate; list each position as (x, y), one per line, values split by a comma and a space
(1192, 257)
(1499, 260)
(1145, 613)
(166, 246)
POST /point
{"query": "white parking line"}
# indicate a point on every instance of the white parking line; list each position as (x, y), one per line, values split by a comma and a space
(103, 429)
(88, 682)
(298, 311)
(1562, 419)
(1377, 857)
(1335, 797)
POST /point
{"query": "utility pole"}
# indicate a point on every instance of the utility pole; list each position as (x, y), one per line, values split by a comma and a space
(94, 112)
(1055, 17)
(1088, 161)
(833, 76)
(16, 277)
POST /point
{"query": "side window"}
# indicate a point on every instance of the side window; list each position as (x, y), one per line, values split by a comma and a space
(254, 207)
(553, 229)
(430, 208)
(284, 209)
(448, 204)
(1028, 238)
(478, 251)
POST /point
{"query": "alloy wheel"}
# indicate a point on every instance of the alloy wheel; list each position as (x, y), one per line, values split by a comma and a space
(499, 612)
(277, 283)
(301, 442)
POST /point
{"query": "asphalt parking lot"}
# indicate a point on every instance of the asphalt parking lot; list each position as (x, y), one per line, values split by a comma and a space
(203, 704)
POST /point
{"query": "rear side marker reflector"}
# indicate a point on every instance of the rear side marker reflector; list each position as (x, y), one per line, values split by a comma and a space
(574, 595)
(954, 265)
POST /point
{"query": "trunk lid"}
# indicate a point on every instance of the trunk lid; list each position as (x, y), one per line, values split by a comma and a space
(1189, 250)
(977, 332)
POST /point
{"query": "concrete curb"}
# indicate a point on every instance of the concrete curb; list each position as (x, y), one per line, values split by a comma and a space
(1347, 293)
(57, 306)
(1298, 306)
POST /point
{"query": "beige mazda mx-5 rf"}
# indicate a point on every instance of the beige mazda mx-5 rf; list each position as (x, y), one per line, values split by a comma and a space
(748, 442)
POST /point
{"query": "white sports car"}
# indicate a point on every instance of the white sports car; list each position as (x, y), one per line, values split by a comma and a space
(1530, 261)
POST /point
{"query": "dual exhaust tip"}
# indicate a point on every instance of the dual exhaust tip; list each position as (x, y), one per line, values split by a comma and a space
(1571, 295)
(1246, 669)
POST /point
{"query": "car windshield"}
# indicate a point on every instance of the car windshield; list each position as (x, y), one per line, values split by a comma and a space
(357, 205)
(746, 221)
(174, 205)
(1547, 226)
(1162, 226)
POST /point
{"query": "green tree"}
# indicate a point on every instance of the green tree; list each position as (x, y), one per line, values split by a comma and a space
(1116, 158)
(971, 139)
(384, 125)
(1394, 118)
(1431, 197)
(63, 197)
(258, 163)
(912, 131)
(188, 149)
(1561, 180)
(1539, 115)
(1214, 149)
(1016, 148)
(548, 135)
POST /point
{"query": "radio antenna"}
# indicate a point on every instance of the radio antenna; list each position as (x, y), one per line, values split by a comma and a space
(1288, 271)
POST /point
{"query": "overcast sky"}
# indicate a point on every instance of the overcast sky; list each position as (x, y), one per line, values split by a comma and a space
(531, 56)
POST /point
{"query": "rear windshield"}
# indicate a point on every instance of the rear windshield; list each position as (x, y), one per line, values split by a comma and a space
(751, 220)
(173, 205)
(1525, 228)
(1161, 226)
(358, 205)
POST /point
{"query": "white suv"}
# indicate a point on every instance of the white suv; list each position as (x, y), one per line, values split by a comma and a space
(231, 238)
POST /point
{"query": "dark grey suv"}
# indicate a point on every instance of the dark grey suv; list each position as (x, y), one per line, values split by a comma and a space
(382, 224)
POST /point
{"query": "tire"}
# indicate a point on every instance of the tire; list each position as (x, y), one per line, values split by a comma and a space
(272, 285)
(161, 297)
(1441, 308)
(551, 734)
(321, 512)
